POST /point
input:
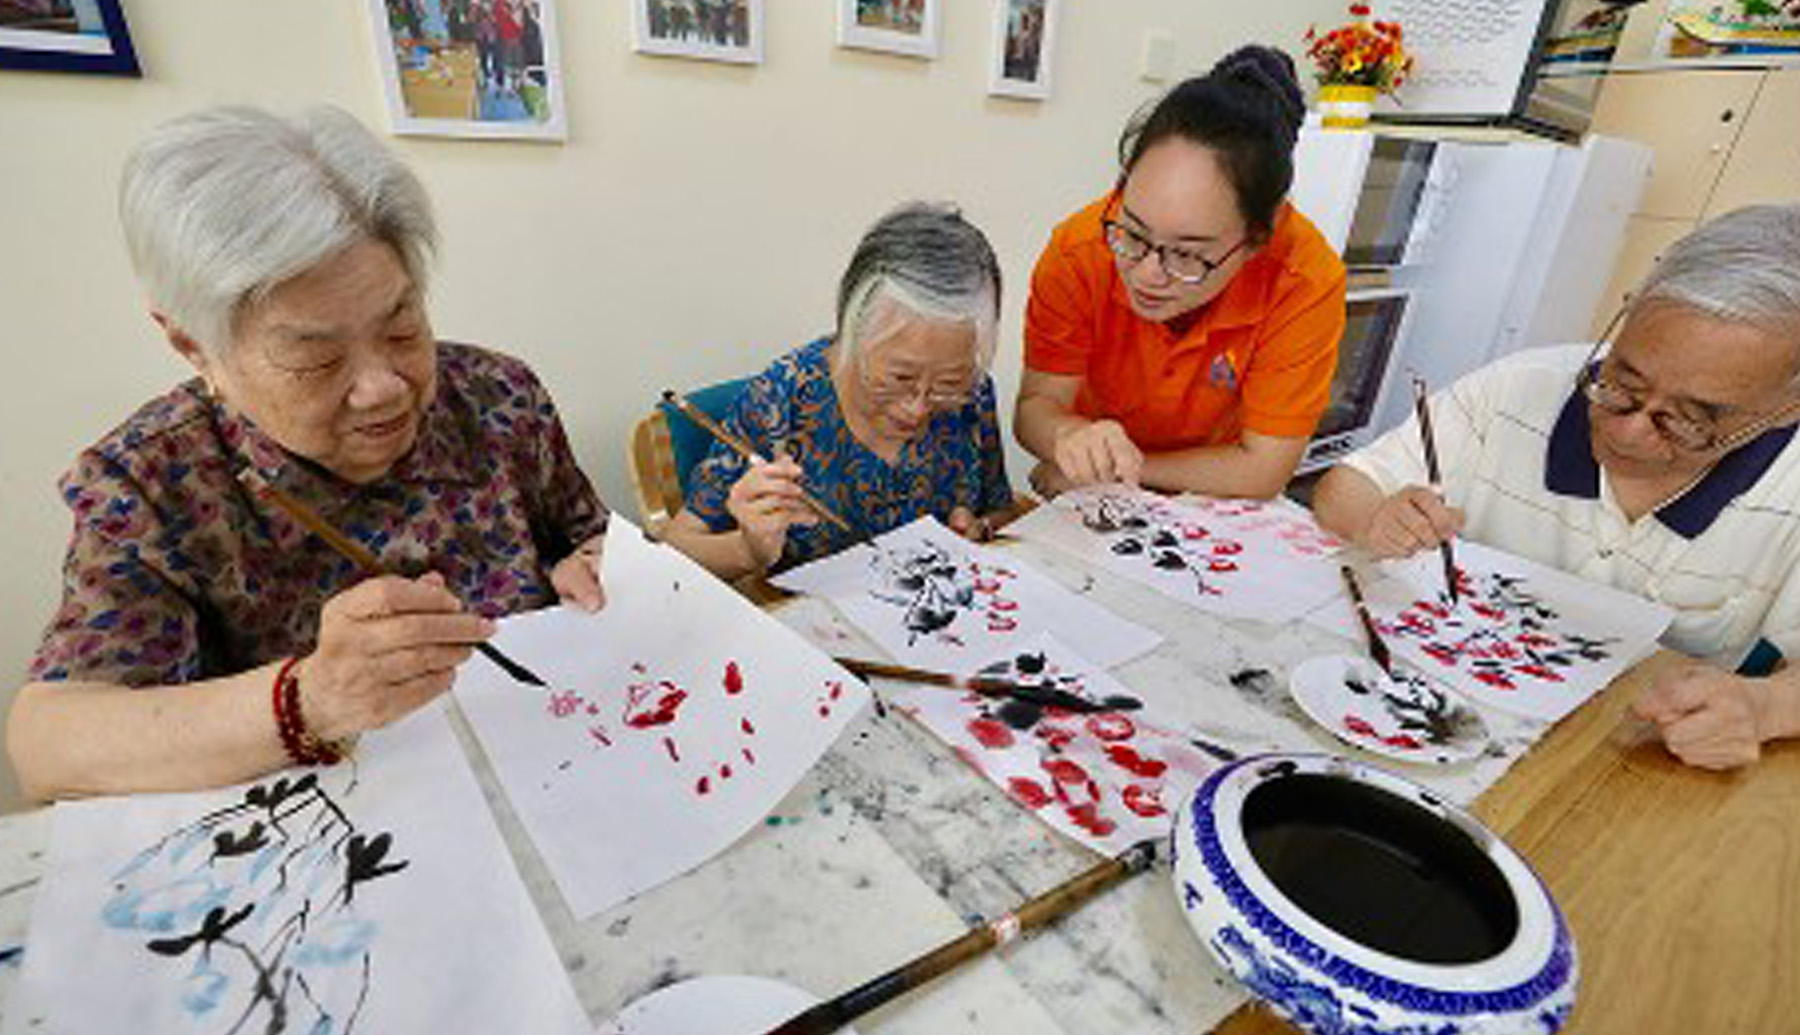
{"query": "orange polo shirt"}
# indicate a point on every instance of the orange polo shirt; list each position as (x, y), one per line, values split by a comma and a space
(1260, 356)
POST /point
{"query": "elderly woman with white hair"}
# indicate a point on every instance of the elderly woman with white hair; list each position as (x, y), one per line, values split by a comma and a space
(1662, 462)
(206, 637)
(890, 419)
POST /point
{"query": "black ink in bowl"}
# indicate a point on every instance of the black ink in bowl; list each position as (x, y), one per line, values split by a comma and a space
(1380, 870)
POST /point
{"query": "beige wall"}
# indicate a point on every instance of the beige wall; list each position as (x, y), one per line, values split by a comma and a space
(692, 227)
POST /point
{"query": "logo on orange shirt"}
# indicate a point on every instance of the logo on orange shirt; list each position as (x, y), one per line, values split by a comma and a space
(1222, 373)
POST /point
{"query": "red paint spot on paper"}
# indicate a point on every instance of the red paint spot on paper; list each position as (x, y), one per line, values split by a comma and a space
(1358, 725)
(704, 786)
(991, 733)
(1222, 565)
(824, 712)
(1127, 758)
(669, 746)
(1054, 737)
(1028, 792)
(1111, 726)
(749, 730)
(1001, 624)
(1142, 801)
(1401, 740)
(734, 679)
(1003, 604)
(668, 696)
(724, 772)
(564, 703)
(987, 585)
(1227, 547)
(749, 757)
(1087, 817)
(837, 690)
(1064, 771)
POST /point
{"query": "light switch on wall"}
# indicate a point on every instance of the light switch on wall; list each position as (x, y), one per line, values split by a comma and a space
(1159, 55)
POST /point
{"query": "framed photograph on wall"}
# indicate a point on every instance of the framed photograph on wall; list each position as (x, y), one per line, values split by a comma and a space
(896, 26)
(712, 30)
(66, 36)
(1024, 41)
(470, 68)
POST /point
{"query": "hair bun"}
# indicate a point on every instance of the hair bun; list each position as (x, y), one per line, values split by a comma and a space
(1270, 70)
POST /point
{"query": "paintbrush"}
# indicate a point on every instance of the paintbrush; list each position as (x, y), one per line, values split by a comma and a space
(1042, 696)
(742, 448)
(1431, 470)
(1065, 898)
(360, 556)
(1378, 648)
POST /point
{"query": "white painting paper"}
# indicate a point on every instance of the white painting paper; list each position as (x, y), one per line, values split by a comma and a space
(1521, 637)
(1243, 559)
(374, 896)
(1108, 779)
(675, 719)
(934, 600)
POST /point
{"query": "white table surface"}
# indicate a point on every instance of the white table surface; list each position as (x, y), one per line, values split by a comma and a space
(892, 844)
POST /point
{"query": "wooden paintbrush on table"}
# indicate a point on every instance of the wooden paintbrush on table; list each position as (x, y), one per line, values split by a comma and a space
(742, 448)
(360, 556)
(1006, 689)
(1054, 904)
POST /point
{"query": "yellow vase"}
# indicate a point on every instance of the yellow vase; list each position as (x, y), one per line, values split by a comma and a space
(1346, 107)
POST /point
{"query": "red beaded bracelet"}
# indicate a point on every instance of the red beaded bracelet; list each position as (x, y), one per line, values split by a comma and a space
(303, 747)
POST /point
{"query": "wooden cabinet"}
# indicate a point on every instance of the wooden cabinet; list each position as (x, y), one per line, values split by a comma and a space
(1765, 162)
(1722, 137)
(1690, 119)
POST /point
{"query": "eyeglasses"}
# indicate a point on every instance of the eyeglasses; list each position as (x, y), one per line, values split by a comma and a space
(889, 387)
(1690, 434)
(1181, 263)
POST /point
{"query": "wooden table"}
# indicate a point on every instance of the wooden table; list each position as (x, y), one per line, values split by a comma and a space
(1682, 886)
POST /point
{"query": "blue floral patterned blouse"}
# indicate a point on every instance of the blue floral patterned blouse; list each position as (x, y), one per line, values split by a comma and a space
(957, 461)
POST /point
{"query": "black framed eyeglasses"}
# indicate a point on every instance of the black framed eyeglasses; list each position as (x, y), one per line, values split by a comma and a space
(1179, 262)
(1690, 434)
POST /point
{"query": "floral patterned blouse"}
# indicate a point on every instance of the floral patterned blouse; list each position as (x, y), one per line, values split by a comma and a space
(957, 461)
(175, 572)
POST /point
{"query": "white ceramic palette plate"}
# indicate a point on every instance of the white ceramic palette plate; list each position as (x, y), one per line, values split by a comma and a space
(1405, 716)
(731, 1004)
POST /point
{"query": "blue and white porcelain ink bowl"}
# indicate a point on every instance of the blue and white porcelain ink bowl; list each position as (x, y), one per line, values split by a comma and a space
(1356, 902)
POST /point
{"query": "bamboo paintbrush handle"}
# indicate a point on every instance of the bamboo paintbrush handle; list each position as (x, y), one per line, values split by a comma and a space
(742, 448)
(1059, 901)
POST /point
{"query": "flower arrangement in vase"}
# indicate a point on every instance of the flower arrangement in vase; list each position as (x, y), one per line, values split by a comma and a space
(1355, 62)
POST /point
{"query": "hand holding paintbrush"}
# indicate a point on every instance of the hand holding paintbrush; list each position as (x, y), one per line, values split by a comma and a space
(987, 686)
(452, 627)
(743, 449)
(1422, 406)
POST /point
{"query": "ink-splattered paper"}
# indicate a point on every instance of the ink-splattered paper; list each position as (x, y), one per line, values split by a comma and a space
(724, 1004)
(935, 600)
(375, 896)
(1522, 637)
(675, 719)
(1265, 560)
(1108, 779)
(1404, 716)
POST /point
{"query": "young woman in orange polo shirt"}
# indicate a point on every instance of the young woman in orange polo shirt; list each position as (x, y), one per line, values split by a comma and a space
(1182, 331)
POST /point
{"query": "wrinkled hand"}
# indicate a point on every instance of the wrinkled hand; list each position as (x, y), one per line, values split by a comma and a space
(577, 576)
(1707, 716)
(1413, 519)
(765, 502)
(970, 525)
(1099, 452)
(386, 646)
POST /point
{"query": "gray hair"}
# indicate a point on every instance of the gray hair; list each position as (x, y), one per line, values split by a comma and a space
(221, 206)
(1743, 266)
(926, 261)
